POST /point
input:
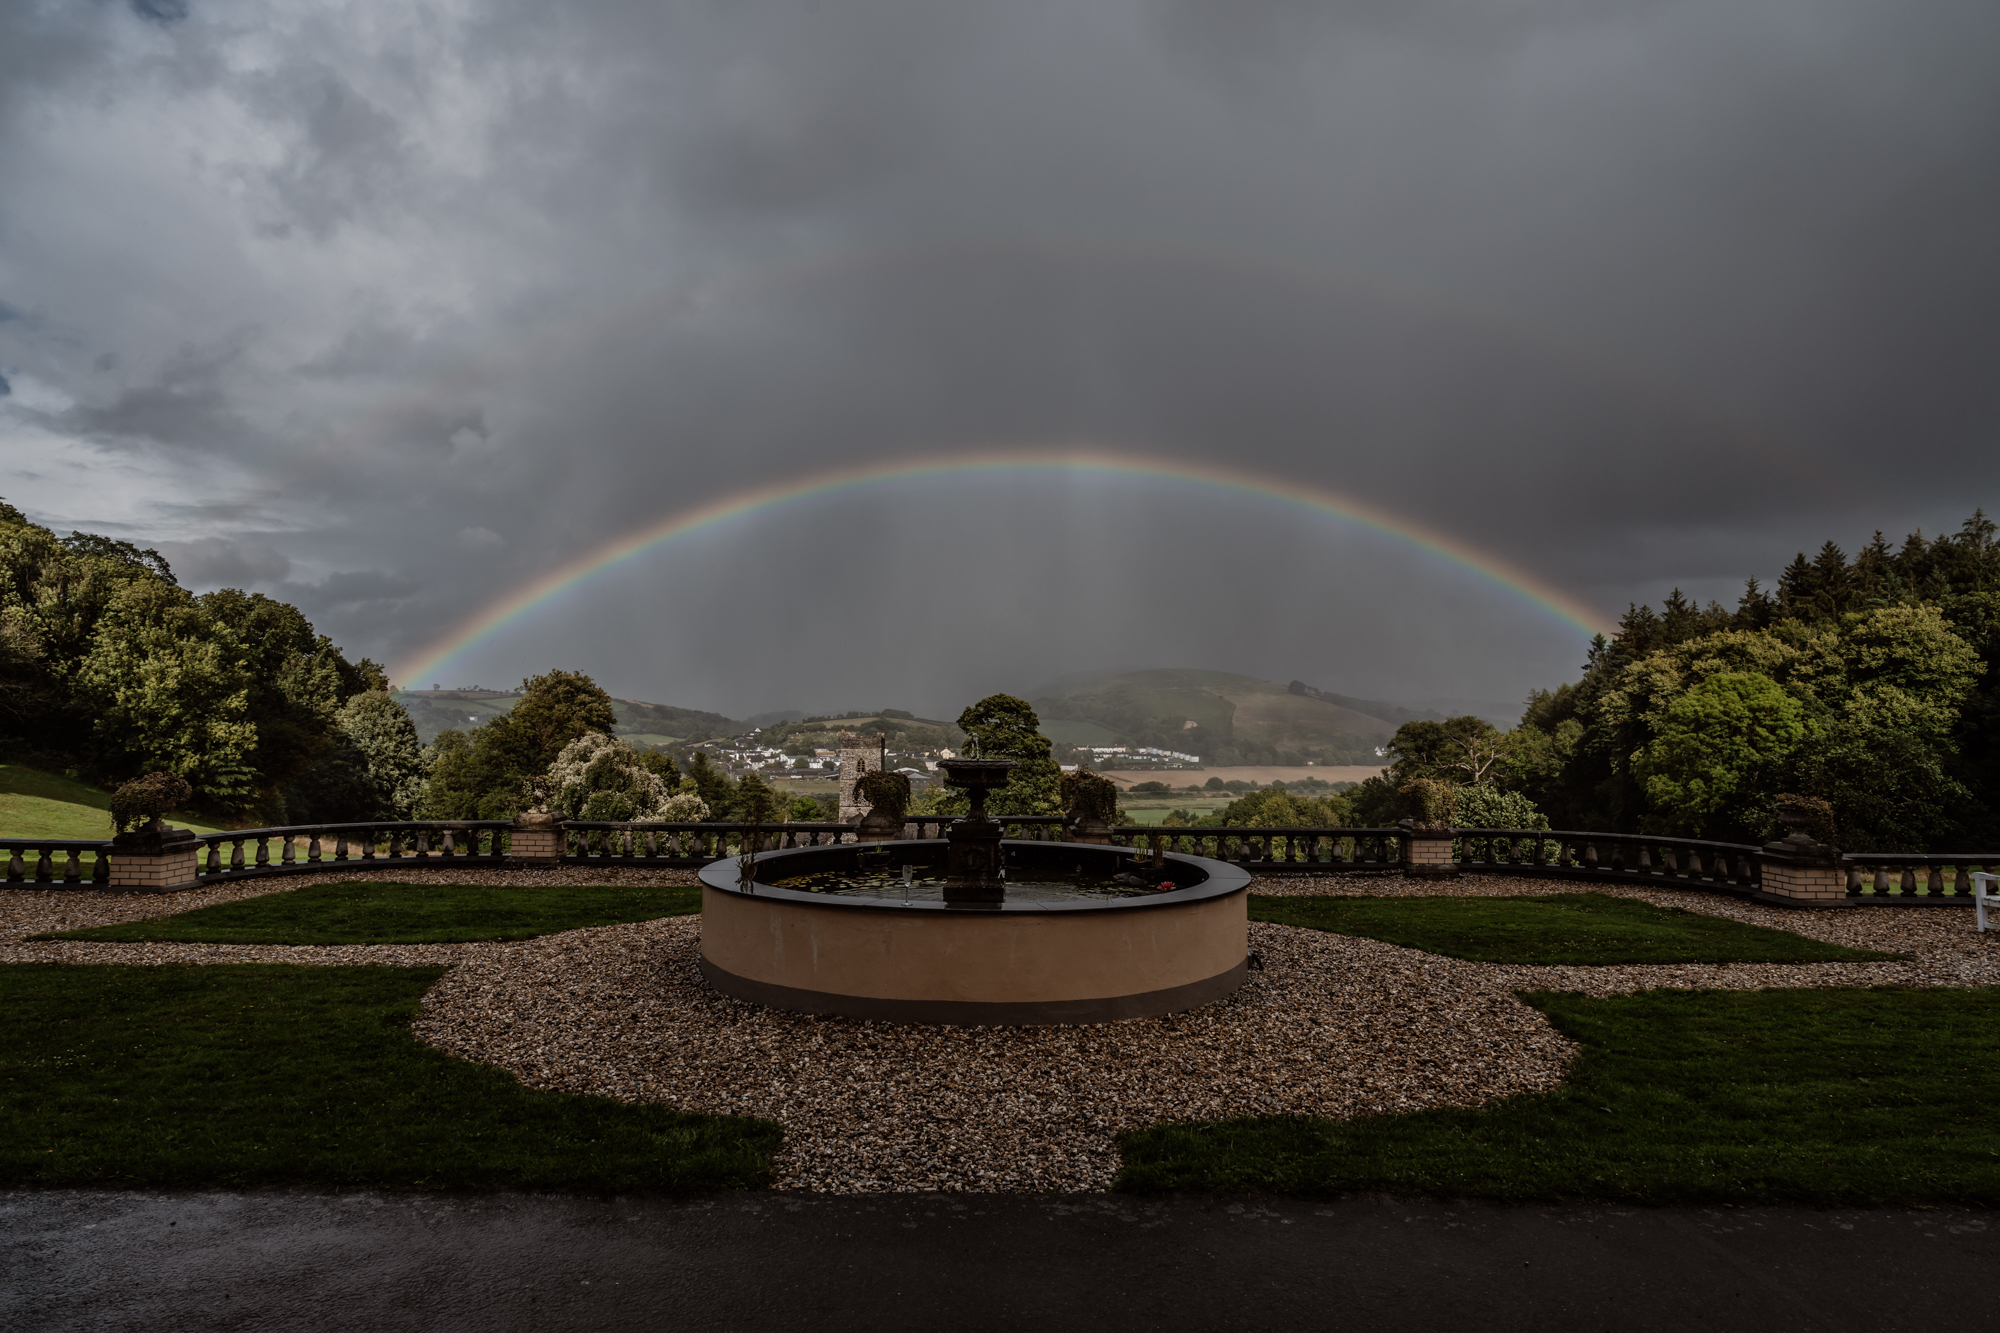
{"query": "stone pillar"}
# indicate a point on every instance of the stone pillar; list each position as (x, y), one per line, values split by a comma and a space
(1798, 872)
(153, 861)
(536, 840)
(1427, 852)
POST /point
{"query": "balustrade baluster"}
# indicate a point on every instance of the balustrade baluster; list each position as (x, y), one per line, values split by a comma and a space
(1882, 881)
(215, 858)
(1853, 879)
(422, 850)
(17, 870)
(73, 868)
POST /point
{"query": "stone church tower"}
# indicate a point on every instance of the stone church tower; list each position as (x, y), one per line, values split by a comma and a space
(855, 754)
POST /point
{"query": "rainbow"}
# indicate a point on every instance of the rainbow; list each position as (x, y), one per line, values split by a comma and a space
(431, 660)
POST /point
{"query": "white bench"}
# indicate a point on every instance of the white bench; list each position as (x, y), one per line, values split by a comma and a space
(1981, 882)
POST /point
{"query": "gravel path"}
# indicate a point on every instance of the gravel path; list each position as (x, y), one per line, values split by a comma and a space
(1333, 1026)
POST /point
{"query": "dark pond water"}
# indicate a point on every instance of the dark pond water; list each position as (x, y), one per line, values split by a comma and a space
(926, 885)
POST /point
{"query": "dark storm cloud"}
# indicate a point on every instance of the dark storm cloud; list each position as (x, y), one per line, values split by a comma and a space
(1628, 295)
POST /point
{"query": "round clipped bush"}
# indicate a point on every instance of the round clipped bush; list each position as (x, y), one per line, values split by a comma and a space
(887, 793)
(139, 804)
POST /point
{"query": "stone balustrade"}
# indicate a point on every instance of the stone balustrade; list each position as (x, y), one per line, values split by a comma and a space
(1786, 873)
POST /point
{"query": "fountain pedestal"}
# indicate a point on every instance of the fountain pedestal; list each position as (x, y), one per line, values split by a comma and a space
(972, 872)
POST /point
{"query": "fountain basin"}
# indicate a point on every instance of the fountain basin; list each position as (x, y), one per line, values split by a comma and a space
(1083, 960)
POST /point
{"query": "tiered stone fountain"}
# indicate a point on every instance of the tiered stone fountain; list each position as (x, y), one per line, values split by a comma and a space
(974, 928)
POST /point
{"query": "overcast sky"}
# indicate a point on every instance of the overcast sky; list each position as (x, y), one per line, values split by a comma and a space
(389, 308)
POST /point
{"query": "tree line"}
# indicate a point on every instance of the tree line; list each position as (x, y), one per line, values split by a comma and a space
(1867, 683)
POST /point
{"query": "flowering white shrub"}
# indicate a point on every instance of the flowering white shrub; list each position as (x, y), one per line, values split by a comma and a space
(684, 808)
(599, 777)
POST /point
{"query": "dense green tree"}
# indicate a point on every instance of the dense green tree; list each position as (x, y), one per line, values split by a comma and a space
(1710, 769)
(169, 688)
(715, 787)
(556, 708)
(452, 786)
(380, 731)
(1007, 728)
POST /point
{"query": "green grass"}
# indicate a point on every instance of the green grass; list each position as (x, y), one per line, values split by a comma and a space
(38, 804)
(1803, 1096)
(258, 1074)
(1577, 929)
(357, 913)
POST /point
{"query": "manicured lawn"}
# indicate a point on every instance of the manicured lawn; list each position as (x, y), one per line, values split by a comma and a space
(1807, 1096)
(1586, 929)
(358, 913)
(261, 1074)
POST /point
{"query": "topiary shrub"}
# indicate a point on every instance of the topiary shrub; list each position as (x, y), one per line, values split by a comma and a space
(1429, 804)
(1808, 815)
(1089, 798)
(887, 793)
(138, 804)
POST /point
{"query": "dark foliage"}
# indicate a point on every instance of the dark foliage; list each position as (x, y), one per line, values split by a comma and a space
(142, 801)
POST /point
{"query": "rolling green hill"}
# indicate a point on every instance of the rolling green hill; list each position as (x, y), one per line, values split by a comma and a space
(643, 723)
(1219, 715)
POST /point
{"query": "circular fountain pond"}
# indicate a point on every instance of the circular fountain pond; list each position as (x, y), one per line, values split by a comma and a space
(1078, 933)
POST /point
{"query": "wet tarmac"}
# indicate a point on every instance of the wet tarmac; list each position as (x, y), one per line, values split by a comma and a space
(298, 1260)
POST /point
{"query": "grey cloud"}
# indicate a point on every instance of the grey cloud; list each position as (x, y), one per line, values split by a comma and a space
(1626, 295)
(352, 593)
(222, 562)
(187, 405)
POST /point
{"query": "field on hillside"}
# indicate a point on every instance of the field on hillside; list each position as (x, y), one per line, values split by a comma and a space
(1261, 774)
(35, 804)
(1157, 707)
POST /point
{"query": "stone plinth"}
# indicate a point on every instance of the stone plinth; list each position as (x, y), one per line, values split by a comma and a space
(1798, 872)
(877, 826)
(150, 861)
(1427, 852)
(1090, 831)
(537, 839)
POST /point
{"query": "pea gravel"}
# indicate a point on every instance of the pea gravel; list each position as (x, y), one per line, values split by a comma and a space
(1332, 1026)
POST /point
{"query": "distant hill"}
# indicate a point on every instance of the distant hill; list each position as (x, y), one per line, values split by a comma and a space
(904, 730)
(1372, 707)
(1224, 717)
(640, 722)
